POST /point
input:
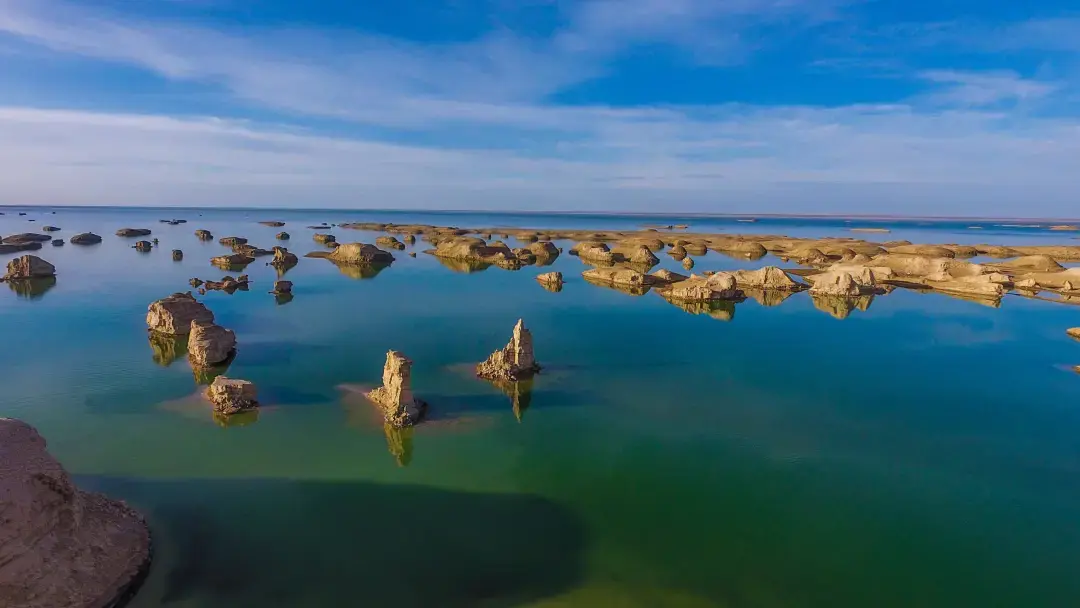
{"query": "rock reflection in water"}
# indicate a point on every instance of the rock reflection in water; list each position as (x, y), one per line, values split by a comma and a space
(167, 349)
(236, 420)
(633, 290)
(768, 297)
(282, 299)
(463, 266)
(519, 392)
(399, 441)
(360, 271)
(31, 289)
(721, 310)
(841, 307)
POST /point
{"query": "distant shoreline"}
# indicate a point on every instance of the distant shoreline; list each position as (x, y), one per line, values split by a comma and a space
(634, 214)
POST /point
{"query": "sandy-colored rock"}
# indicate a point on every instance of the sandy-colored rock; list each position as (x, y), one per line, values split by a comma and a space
(173, 315)
(545, 251)
(551, 278)
(997, 251)
(768, 278)
(1065, 280)
(210, 344)
(688, 263)
(1032, 263)
(129, 232)
(719, 286)
(204, 235)
(666, 276)
(977, 286)
(1061, 253)
(29, 267)
(841, 307)
(231, 396)
(843, 283)
(515, 361)
(235, 260)
(389, 242)
(934, 251)
(626, 277)
(1073, 332)
(474, 250)
(812, 257)
(324, 238)
(143, 246)
(61, 547)
(85, 238)
(400, 407)
(752, 249)
(593, 252)
(678, 252)
(232, 241)
(914, 265)
(361, 254)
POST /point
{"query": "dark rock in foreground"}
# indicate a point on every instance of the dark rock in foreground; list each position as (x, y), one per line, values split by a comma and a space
(85, 238)
(26, 237)
(61, 546)
(29, 267)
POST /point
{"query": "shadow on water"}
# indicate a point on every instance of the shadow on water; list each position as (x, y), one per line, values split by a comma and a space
(258, 543)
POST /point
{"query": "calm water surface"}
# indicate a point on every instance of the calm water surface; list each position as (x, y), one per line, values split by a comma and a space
(923, 452)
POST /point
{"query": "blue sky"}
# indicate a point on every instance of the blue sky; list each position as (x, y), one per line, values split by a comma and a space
(943, 107)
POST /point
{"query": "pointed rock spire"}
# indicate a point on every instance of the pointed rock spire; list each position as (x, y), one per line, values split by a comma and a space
(395, 396)
(514, 361)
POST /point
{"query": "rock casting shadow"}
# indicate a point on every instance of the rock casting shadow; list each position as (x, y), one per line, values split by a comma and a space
(256, 543)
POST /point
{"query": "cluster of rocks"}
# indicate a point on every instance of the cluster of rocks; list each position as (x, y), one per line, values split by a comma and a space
(477, 254)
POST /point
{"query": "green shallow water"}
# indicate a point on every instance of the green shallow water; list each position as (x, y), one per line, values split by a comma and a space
(922, 452)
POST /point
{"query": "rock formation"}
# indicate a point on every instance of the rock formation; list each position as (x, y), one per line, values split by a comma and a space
(210, 344)
(173, 315)
(592, 252)
(283, 236)
(623, 277)
(282, 287)
(231, 396)
(26, 237)
(719, 286)
(395, 396)
(236, 260)
(29, 267)
(515, 361)
(843, 283)
(177, 255)
(666, 276)
(688, 263)
(232, 241)
(767, 278)
(50, 229)
(61, 547)
(389, 242)
(551, 280)
(127, 232)
(143, 246)
(1074, 332)
(273, 224)
(204, 235)
(58, 242)
(474, 250)
(324, 239)
(361, 254)
(227, 284)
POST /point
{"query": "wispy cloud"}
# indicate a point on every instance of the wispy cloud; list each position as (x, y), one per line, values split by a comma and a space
(984, 88)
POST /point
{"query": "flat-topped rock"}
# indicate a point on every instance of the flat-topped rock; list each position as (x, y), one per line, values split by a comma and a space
(273, 224)
(85, 238)
(204, 235)
(143, 246)
(324, 238)
(173, 315)
(390, 242)
(61, 547)
(843, 282)
(210, 344)
(514, 361)
(235, 260)
(232, 396)
(469, 249)
(360, 254)
(232, 241)
(26, 237)
(29, 267)
(400, 407)
(625, 277)
(767, 278)
(129, 232)
(719, 286)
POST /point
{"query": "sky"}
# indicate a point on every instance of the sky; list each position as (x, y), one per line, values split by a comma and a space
(901, 107)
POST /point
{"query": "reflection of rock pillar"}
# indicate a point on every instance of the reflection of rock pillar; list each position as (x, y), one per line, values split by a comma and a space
(399, 441)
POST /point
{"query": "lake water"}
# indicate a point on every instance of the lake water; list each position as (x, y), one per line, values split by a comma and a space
(922, 452)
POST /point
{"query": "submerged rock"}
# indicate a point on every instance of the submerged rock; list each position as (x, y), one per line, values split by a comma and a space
(282, 287)
(210, 344)
(128, 232)
(173, 315)
(15, 247)
(273, 224)
(50, 229)
(26, 237)
(395, 396)
(236, 260)
(58, 242)
(231, 396)
(61, 546)
(29, 267)
(514, 361)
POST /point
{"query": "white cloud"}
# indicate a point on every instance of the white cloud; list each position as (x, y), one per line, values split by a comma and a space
(984, 88)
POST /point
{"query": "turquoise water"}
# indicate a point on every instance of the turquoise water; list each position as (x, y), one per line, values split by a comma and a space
(922, 452)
